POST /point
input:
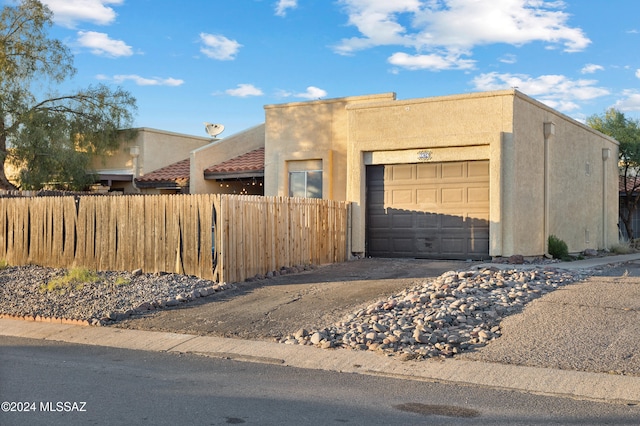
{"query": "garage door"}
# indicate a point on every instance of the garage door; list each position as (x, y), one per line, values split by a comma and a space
(428, 210)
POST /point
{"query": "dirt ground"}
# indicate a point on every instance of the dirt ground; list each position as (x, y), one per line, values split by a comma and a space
(278, 306)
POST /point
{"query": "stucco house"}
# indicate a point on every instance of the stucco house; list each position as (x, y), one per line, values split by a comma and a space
(233, 165)
(151, 150)
(464, 177)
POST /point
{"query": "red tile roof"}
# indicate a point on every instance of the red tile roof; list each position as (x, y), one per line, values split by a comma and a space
(176, 172)
(249, 162)
(633, 183)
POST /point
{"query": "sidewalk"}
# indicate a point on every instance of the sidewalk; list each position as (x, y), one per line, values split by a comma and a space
(589, 263)
(489, 370)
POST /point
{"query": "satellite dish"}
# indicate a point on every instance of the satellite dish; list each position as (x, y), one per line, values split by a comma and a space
(213, 129)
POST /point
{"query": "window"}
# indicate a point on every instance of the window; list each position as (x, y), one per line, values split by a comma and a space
(306, 184)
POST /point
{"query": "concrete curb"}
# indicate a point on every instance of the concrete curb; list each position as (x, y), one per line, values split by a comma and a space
(594, 262)
(544, 381)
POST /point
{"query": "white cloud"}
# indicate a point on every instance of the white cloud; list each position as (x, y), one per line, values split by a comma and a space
(244, 90)
(69, 12)
(591, 68)
(457, 26)
(219, 47)
(101, 44)
(638, 73)
(631, 102)
(283, 5)
(432, 62)
(557, 91)
(508, 59)
(377, 21)
(312, 93)
(142, 81)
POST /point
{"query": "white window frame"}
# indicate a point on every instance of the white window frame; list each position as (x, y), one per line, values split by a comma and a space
(306, 184)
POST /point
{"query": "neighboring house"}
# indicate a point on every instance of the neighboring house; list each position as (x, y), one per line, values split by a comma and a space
(172, 179)
(240, 175)
(150, 150)
(232, 165)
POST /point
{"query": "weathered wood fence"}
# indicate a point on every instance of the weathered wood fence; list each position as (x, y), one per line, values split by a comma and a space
(173, 233)
(261, 234)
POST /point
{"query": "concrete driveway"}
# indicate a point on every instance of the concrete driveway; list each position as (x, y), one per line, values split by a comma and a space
(278, 306)
(592, 325)
(587, 326)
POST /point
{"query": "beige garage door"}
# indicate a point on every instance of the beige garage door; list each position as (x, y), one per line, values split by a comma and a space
(428, 210)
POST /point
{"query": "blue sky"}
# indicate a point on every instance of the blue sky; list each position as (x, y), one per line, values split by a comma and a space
(191, 61)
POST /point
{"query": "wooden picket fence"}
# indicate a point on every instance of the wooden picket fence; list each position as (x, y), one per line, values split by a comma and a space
(261, 234)
(173, 233)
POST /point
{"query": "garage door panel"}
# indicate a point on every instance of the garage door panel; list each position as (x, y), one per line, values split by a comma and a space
(400, 220)
(477, 221)
(402, 197)
(478, 246)
(426, 246)
(450, 222)
(452, 170)
(379, 221)
(376, 196)
(427, 171)
(403, 245)
(478, 195)
(427, 220)
(427, 197)
(452, 196)
(380, 245)
(403, 172)
(434, 210)
(453, 246)
(478, 169)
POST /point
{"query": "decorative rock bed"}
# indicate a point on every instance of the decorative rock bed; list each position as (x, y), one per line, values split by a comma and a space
(455, 312)
(113, 297)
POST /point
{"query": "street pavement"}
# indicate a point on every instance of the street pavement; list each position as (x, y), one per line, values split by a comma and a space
(581, 341)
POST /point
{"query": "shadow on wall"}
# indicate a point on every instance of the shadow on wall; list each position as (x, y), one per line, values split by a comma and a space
(425, 235)
(431, 211)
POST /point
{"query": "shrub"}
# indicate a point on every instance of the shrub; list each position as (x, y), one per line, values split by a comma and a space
(75, 279)
(623, 247)
(121, 281)
(558, 248)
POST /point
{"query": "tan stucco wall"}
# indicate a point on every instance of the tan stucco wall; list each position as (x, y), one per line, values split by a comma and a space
(452, 128)
(218, 152)
(581, 206)
(316, 130)
(529, 201)
(155, 149)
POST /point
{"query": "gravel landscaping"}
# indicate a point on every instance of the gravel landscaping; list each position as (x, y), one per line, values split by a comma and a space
(443, 316)
(26, 291)
(458, 311)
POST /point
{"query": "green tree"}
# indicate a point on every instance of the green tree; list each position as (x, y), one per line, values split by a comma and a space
(50, 137)
(627, 132)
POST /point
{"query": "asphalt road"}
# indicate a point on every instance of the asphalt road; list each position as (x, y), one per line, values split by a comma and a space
(116, 386)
